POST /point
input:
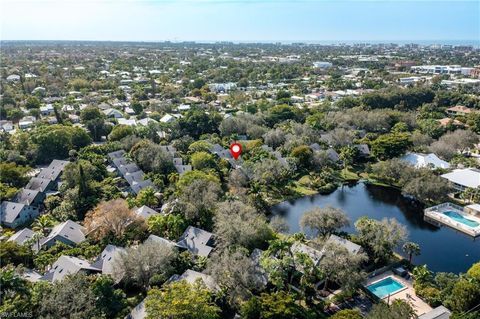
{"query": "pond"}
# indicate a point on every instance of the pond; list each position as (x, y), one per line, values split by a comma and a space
(443, 249)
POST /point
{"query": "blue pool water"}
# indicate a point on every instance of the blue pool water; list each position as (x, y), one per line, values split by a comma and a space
(461, 219)
(385, 287)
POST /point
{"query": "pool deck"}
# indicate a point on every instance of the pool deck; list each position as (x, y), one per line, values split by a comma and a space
(434, 215)
(417, 304)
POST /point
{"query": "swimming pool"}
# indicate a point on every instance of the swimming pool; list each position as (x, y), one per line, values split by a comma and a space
(461, 219)
(385, 287)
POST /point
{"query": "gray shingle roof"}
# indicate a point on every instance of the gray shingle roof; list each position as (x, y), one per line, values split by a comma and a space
(191, 276)
(105, 261)
(196, 241)
(145, 212)
(69, 230)
(351, 247)
(39, 184)
(53, 170)
(26, 196)
(437, 313)
(144, 184)
(9, 211)
(116, 154)
(21, 236)
(67, 265)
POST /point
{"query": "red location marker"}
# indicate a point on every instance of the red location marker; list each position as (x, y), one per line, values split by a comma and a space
(236, 150)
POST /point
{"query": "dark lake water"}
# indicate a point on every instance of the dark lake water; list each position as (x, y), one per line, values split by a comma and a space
(443, 249)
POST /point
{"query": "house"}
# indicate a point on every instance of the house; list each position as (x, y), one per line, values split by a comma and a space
(192, 276)
(67, 265)
(26, 122)
(21, 236)
(419, 160)
(139, 312)
(14, 214)
(363, 149)
(106, 260)
(113, 113)
(68, 232)
(40, 184)
(447, 121)
(116, 154)
(29, 197)
(146, 121)
(168, 118)
(13, 78)
(348, 245)
(437, 313)
(136, 188)
(161, 240)
(197, 241)
(47, 110)
(145, 212)
(314, 254)
(182, 169)
(459, 110)
(6, 126)
(462, 179)
(129, 122)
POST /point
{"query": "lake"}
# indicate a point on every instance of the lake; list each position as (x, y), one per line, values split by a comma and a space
(443, 249)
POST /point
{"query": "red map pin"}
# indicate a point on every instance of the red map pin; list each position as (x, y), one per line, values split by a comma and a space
(236, 150)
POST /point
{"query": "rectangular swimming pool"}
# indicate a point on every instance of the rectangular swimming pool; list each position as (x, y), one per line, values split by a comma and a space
(461, 219)
(385, 287)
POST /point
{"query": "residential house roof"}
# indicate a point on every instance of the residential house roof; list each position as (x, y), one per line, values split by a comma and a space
(351, 247)
(191, 276)
(106, 260)
(158, 239)
(437, 313)
(9, 211)
(424, 160)
(196, 240)
(67, 265)
(117, 154)
(39, 184)
(21, 236)
(459, 109)
(137, 187)
(467, 177)
(145, 212)
(69, 230)
(26, 196)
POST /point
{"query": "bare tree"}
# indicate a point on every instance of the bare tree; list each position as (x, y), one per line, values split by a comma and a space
(112, 217)
(137, 265)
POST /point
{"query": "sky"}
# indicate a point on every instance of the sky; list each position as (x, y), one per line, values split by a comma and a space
(240, 20)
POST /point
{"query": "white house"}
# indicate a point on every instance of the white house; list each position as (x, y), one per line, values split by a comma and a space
(424, 160)
(464, 178)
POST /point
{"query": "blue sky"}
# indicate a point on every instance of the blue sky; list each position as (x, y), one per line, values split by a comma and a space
(237, 20)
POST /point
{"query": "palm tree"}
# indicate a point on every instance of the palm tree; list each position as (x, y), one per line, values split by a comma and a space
(422, 274)
(411, 248)
(43, 224)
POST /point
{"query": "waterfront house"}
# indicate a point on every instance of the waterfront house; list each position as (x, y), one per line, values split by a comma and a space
(462, 179)
(420, 160)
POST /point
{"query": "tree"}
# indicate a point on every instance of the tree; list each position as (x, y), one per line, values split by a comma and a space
(449, 144)
(70, 298)
(275, 305)
(250, 231)
(150, 157)
(181, 300)
(324, 221)
(399, 309)
(427, 188)
(474, 272)
(146, 197)
(303, 155)
(119, 132)
(390, 145)
(202, 160)
(347, 314)
(43, 224)
(13, 253)
(111, 218)
(465, 295)
(94, 120)
(32, 102)
(347, 155)
(197, 199)
(280, 113)
(341, 266)
(170, 226)
(411, 249)
(422, 275)
(55, 141)
(110, 301)
(379, 238)
(235, 272)
(197, 122)
(13, 174)
(138, 265)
